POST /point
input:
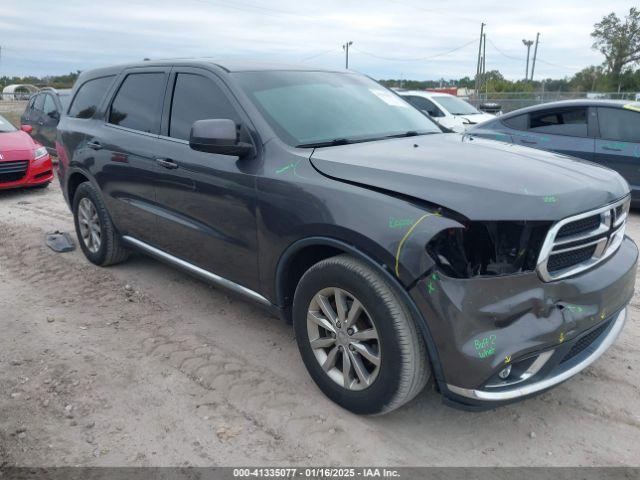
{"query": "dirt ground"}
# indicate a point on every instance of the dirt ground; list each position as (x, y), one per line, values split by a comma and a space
(140, 365)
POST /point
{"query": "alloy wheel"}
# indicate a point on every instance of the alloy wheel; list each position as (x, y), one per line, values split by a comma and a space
(90, 228)
(344, 338)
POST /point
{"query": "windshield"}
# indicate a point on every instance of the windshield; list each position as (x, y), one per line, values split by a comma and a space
(6, 126)
(456, 106)
(307, 108)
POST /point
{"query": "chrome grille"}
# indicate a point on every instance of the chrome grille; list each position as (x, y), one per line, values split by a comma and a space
(578, 243)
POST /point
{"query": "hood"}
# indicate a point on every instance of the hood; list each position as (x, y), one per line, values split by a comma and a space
(15, 142)
(480, 179)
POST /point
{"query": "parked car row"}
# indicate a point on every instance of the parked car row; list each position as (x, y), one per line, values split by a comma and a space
(399, 252)
(449, 111)
(43, 113)
(603, 131)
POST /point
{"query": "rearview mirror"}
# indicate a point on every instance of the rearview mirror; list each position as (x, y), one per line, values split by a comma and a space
(218, 136)
(26, 128)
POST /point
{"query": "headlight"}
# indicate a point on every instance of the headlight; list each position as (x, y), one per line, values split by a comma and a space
(488, 248)
(40, 152)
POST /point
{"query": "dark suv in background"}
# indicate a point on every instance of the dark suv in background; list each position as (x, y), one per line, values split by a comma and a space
(42, 114)
(399, 252)
(601, 131)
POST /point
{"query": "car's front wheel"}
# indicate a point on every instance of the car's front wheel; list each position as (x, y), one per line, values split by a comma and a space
(357, 338)
(97, 235)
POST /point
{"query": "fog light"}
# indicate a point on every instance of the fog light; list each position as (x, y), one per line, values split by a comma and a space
(505, 372)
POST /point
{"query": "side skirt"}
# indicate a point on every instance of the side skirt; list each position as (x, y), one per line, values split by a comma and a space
(200, 273)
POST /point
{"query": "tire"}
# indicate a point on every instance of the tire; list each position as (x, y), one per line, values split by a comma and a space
(403, 366)
(109, 251)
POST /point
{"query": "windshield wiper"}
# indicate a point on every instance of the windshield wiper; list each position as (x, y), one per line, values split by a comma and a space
(410, 133)
(329, 143)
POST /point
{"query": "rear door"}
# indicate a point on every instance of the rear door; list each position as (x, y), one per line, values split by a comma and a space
(618, 145)
(207, 201)
(127, 148)
(26, 115)
(48, 123)
(36, 116)
(564, 130)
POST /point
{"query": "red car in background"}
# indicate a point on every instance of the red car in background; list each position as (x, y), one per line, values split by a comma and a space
(23, 162)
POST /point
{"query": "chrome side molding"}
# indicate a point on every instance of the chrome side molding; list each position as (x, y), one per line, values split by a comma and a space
(195, 270)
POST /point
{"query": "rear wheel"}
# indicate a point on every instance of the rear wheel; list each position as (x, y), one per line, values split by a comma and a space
(96, 233)
(357, 338)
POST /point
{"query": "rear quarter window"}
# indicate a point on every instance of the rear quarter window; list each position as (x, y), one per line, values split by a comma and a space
(519, 122)
(38, 103)
(570, 122)
(88, 98)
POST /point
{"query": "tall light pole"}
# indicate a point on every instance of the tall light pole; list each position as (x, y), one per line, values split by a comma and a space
(345, 47)
(527, 43)
(535, 53)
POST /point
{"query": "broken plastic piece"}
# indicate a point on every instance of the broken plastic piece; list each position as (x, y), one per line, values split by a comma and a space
(60, 242)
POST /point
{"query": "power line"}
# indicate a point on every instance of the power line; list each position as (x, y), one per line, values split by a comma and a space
(306, 59)
(539, 60)
(421, 59)
(504, 54)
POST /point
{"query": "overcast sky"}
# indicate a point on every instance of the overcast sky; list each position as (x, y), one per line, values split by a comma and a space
(392, 38)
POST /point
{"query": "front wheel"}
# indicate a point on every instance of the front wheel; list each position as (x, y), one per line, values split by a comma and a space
(357, 338)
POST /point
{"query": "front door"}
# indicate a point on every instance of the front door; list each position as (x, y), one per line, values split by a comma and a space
(619, 144)
(207, 201)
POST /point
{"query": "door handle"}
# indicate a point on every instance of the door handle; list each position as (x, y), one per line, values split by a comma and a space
(167, 163)
(611, 149)
(94, 145)
(529, 142)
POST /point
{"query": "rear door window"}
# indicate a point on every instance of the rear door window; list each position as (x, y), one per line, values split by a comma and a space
(89, 97)
(138, 103)
(197, 98)
(571, 122)
(619, 124)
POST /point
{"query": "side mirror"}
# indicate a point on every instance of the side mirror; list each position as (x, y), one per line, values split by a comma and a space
(218, 136)
(54, 114)
(427, 112)
(26, 128)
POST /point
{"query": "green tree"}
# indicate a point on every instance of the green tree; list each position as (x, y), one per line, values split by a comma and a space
(619, 42)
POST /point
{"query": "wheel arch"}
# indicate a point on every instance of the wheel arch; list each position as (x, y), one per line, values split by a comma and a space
(291, 267)
(76, 178)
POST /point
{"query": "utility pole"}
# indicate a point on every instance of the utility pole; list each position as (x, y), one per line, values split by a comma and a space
(527, 43)
(345, 47)
(478, 63)
(535, 53)
(484, 66)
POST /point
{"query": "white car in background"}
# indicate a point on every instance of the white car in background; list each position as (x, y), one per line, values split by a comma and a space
(449, 111)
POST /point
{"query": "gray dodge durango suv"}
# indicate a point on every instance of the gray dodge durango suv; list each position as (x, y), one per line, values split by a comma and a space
(401, 254)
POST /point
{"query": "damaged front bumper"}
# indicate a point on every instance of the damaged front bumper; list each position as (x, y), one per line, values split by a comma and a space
(500, 339)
